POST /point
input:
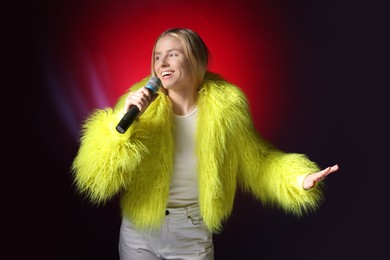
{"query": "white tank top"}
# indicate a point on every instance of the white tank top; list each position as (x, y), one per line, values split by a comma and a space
(183, 190)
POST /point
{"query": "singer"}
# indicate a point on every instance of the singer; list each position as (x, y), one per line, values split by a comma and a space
(178, 166)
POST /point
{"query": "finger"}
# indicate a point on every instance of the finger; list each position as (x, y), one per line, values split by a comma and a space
(323, 172)
(148, 94)
(332, 169)
(135, 99)
(335, 168)
(144, 96)
(131, 100)
(319, 176)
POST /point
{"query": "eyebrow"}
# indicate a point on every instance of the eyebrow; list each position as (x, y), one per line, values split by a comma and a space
(158, 52)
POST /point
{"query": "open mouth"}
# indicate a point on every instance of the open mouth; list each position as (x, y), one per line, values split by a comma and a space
(165, 74)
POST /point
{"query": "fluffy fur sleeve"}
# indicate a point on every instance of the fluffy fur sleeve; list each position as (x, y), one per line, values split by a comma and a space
(273, 176)
(106, 158)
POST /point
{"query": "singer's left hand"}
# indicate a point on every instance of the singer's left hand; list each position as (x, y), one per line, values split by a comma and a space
(311, 179)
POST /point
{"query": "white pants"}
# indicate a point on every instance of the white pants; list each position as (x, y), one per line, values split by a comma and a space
(182, 237)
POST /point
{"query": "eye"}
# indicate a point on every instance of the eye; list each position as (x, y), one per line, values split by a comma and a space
(156, 58)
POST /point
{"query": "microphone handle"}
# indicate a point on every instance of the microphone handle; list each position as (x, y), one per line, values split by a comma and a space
(129, 117)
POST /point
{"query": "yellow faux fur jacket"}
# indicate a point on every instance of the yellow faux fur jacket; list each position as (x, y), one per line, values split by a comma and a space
(231, 154)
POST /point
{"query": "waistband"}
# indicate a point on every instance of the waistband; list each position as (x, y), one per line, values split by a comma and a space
(183, 211)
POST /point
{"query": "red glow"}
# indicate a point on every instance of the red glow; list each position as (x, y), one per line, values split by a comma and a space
(245, 40)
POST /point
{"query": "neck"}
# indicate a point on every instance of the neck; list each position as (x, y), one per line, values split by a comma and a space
(183, 103)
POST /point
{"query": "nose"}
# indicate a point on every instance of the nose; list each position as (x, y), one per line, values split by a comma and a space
(164, 61)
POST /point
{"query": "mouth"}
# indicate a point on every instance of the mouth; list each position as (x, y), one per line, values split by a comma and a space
(166, 74)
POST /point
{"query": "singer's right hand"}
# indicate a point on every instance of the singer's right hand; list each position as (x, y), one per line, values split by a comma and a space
(140, 98)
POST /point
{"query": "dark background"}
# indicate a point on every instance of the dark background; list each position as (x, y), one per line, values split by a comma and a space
(342, 120)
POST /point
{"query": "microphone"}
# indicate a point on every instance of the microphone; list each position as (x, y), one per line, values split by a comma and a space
(152, 85)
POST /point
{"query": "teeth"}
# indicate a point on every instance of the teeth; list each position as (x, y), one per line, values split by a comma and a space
(164, 73)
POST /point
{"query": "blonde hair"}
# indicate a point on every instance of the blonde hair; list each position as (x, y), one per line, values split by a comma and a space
(195, 50)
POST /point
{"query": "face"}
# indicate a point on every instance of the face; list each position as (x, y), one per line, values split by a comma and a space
(171, 65)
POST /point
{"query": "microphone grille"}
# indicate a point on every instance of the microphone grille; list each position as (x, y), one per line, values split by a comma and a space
(154, 84)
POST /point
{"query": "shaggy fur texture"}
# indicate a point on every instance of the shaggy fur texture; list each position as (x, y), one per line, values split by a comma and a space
(231, 154)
